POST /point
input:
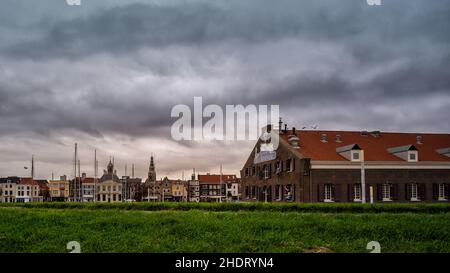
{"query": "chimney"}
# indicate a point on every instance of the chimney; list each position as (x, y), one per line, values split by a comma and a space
(375, 134)
(419, 139)
(285, 128)
(280, 125)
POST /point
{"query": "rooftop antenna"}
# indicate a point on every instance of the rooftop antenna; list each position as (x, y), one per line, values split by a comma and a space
(125, 169)
(132, 171)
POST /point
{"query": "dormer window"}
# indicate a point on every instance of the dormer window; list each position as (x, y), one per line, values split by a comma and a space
(408, 153)
(351, 152)
(412, 156)
(444, 151)
(355, 156)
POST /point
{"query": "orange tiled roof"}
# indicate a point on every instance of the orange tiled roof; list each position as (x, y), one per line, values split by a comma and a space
(215, 178)
(375, 148)
(89, 180)
(27, 181)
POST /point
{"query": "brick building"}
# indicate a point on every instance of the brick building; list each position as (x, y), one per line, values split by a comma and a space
(329, 166)
(213, 186)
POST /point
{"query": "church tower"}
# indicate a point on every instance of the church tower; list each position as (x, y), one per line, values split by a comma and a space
(151, 171)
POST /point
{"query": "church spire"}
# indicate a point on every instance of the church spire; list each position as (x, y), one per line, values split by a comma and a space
(151, 170)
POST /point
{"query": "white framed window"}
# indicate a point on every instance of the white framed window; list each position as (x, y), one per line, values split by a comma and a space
(266, 172)
(386, 192)
(414, 192)
(412, 156)
(357, 192)
(329, 193)
(356, 156)
(442, 193)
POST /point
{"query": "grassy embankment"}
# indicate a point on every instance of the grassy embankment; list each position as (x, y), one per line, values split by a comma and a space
(181, 227)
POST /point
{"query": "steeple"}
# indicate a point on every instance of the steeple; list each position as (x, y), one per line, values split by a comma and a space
(151, 170)
(110, 167)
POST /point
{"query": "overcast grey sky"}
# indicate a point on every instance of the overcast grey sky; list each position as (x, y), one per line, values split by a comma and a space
(107, 73)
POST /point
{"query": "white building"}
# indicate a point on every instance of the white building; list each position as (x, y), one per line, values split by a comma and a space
(88, 189)
(8, 189)
(28, 191)
(232, 191)
(109, 188)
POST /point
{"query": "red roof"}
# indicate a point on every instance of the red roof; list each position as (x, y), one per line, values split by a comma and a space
(43, 186)
(375, 148)
(27, 181)
(215, 178)
(88, 180)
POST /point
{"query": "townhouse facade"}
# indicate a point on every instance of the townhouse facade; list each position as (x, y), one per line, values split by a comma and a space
(179, 191)
(193, 189)
(131, 189)
(59, 189)
(213, 186)
(348, 166)
(87, 189)
(233, 190)
(28, 190)
(8, 189)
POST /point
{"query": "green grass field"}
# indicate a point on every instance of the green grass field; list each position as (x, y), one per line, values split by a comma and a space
(33, 228)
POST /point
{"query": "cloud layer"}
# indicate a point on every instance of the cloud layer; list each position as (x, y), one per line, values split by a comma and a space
(106, 74)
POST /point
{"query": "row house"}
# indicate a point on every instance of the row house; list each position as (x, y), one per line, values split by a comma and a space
(193, 189)
(8, 189)
(213, 186)
(28, 190)
(179, 190)
(59, 189)
(87, 189)
(332, 166)
(131, 188)
(233, 189)
(165, 189)
(44, 190)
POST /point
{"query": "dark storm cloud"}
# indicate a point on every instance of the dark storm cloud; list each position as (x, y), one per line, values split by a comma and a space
(117, 69)
(125, 28)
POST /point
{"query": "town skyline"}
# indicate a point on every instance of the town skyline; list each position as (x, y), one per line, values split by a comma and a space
(106, 75)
